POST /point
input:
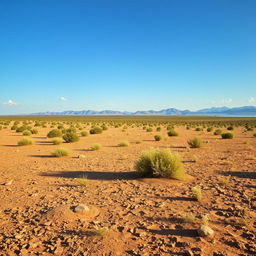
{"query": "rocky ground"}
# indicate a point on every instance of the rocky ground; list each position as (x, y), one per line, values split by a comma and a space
(118, 213)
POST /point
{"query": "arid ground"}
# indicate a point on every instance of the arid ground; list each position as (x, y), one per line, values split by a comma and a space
(128, 215)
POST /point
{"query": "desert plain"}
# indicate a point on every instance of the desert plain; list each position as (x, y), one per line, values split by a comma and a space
(92, 202)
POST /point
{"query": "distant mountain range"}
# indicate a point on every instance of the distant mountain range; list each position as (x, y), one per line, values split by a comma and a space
(221, 111)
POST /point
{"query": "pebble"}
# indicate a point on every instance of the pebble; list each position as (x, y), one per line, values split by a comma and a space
(205, 231)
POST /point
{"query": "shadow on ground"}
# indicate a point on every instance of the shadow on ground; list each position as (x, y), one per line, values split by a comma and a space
(93, 175)
(247, 175)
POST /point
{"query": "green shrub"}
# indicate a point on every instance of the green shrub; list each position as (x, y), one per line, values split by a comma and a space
(34, 131)
(124, 144)
(70, 137)
(227, 135)
(149, 130)
(54, 133)
(158, 129)
(57, 141)
(172, 132)
(160, 163)
(195, 143)
(26, 133)
(158, 137)
(84, 133)
(198, 129)
(59, 152)
(96, 146)
(230, 128)
(217, 132)
(254, 135)
(25, 141)
(96, 130)
(209, 129)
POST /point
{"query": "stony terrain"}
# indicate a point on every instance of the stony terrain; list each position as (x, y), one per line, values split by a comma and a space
(126, 216)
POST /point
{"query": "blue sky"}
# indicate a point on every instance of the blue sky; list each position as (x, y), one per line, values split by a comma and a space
(126, 55)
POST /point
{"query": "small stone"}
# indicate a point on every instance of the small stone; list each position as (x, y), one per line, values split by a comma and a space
(205, 231)
(81, 208)
(9, 182)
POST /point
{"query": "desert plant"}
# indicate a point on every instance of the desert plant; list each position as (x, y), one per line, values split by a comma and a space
(101, 231)
(96, 130)
(217, 132)
(172, 132)
(157, 137)
(123, 144)
(195, 143)
(57, 141)
(96, 146)
(197, 193)
(160, 163)
(189, 217)
(84, 133)
(254, 135)
(149, 130)
(209, 129)
(25, 141)
(34, 131)
(84, 181)
(230, 128)
(26, 133)
(70, 137)
(227, 135)
(59, 152)
(54, 133)
(205, 219)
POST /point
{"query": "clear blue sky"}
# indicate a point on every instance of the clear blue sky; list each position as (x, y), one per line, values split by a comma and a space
(126, 54)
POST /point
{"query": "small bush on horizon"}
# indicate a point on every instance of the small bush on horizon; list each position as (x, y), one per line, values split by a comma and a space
(54, 133)
(227, 135)
(70, 137)
(57, 141)
(84, 133)
(26, 133)
(96, 130)
(158, 137)
(172, 132)
(217, 132)
(160, 163)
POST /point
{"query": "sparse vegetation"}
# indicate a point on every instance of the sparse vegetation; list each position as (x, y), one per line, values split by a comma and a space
(57, 141)
(197, 193)
(96, 146)
(123, 144)
(54, 133)
(60, 152)
(227, 135)
(195, 143)
(160, 163)
(172, 132)
(96, 130)
(158, 137)
(25, 141)
(70, 137)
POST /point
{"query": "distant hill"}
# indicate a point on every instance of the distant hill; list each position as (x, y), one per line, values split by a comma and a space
(243, 111)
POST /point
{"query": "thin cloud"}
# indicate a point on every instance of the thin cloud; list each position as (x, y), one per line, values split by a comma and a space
(10, 103)
(63, 99)
(251, 100)
(227, 101)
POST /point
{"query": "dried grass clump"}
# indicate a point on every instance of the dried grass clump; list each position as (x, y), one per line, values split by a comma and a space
(160, 163)
(124, 144)
(96, 146)
(195, 143)
(59, 152)
(25, 141)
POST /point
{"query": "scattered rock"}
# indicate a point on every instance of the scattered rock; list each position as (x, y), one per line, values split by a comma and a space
(81, 208)
(8, 183)
(205, 231)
